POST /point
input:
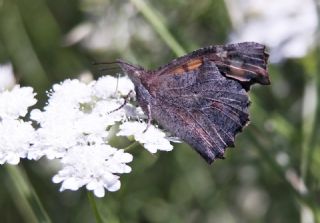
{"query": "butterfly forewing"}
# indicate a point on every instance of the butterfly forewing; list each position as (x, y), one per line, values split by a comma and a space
(246, 62)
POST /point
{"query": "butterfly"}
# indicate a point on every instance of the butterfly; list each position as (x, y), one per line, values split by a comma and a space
(202, 97)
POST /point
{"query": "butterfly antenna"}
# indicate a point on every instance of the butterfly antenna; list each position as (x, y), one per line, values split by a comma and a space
(126, 63)
(102, 63)
(114, 62)
(106, 68)
(109, 68)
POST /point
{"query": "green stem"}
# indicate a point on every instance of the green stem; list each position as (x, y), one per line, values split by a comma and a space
(94, 207)
(131, 146)
(25, 197)
(308, 129)
(159, 26)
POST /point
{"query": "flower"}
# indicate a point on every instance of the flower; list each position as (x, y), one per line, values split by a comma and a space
(16, 136)
(153, 139)
(74, 128)
(109, 86)
(94, 166)
(7, 79)
(78, 111)
(15, 103)
(284, 26)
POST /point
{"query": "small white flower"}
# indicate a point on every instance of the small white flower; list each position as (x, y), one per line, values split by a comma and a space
(153, 139)
(15, 103)
(94, 166)
(7, 79)
(15, 137)
(105, 108)
(73, 93)
(108, 86)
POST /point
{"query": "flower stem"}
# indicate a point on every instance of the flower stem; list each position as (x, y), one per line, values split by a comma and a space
(25, 197)
(159, 26)
(94, 207)
(131, 146)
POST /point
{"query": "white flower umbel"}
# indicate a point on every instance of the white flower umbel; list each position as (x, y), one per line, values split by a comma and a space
(287, 27)
(7, 80)
(74, 128)
(76, 114)
(16, 136)
(153, 139)
(95, 166)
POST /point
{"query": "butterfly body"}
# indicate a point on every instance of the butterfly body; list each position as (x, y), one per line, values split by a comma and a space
(202, 97)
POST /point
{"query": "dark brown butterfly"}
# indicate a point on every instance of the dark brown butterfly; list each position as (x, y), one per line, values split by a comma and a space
(202, 97)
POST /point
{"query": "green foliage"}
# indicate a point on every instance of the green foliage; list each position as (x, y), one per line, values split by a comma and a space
(271, 176)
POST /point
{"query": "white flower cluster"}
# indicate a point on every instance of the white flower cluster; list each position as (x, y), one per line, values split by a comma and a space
(74, 128)
(287, 27)
(16, 135)
(153, 139)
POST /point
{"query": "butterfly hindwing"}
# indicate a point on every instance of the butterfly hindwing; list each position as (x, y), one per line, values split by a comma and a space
(210, 109)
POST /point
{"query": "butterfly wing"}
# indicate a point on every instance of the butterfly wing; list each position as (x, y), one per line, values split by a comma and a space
(245, 62)
(202, 107)
(201, 97)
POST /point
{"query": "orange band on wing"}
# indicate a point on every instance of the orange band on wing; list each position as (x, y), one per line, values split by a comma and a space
(191, 65)
(179, 70)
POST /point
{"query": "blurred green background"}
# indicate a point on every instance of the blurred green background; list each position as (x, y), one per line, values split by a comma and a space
(271, 176)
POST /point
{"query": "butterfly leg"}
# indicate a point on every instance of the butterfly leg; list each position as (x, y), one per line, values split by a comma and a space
(149, 118)
(126, 99)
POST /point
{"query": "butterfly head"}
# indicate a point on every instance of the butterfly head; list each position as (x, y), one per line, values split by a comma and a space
(134, 72)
